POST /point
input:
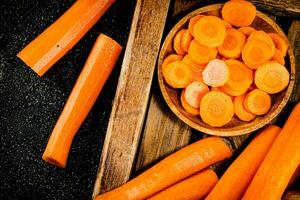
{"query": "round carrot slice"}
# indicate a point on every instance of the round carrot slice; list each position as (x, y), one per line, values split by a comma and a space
(170, 58)
(279, 42)
(263, 37)
(233, 44)
(247, 30)
(193, 21)
(240, 111)
(216, 73)
(196, 68)
(257, 102)
(216, 109)
(272, 77)
(201, 54)
(177, 42)
(194, 92)
(278, 57)
(210, 31)
(186, 40)
(193, 111)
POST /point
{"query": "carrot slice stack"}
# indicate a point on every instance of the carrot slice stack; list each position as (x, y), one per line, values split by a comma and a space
(194, 92)
(186, 40)
(240, 110)
(177, 42)
(188, 108)
(45, 50)
(193, 21)
(279, 42)
(169, 59)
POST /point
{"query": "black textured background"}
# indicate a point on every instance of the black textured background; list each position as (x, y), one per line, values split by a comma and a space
(30, 105)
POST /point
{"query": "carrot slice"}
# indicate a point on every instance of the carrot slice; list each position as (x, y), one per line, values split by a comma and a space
(178, 74)
(176, 167)
(216, 109)
(240, 78)
(194, 92)
(216, 73)
(50, 46)
(210, 31)
(96, 71)
(257, 102)
(272, 77)
(201, 54)
(186, 40)
(194, 187)
(240, 110)
(238, 176)
(263, 37)
(169, 59)
(193, 21)
(256, 53)
(196, 68)
(278, 57)
(227, 24)
(280, 43)
(233, 44)
(177, 42)
(193, 111)
(247, 30)
(239, 12)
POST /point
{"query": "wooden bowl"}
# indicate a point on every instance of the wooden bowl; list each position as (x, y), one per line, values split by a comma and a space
(235, 126)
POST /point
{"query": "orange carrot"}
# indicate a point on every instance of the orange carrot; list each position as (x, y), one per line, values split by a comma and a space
(209, 31)
(257, 102)
(97, 69)
(186, 40)
(197, 69)
(280, 43)
(174, 168)
(169, 59)
(247, 30)
(201, 54)
(194, 92)
(227, 24)
(238, 176)
(191, 110)
(216, 73)
(263, 37)
(282, 160)
(45, 50)
(193, 187)
(192, 22)
(240, 110)
(177, 42)
(278, 57)
(239, 12)
(178, 74)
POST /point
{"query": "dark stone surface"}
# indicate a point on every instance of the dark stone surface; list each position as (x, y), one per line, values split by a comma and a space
(30, 105)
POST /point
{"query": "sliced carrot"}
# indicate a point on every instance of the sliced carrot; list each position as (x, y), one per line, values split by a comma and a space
(227, 24)
(216, 109)
(239, 12)
(233, 44)
(169, 59)
(278, 57)
(263, 37)
(238, 176)
(280, 43)
(272, 77)
(186, 40)
(188, 108)
(50, 46)
(201, 54)
(176, 167)
(210, 31)
(95, 72)
(240, 78)
(177, 42)
(215, 89)
(282, 160)
(193, 21)
(194, 92)
(193, 187)
(216, 73)
(247, 30)
(196, 68)
(178, 74)
(257, 102)
(214, 12)
(240, 110)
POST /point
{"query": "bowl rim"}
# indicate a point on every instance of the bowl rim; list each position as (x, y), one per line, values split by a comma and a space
(222, 131)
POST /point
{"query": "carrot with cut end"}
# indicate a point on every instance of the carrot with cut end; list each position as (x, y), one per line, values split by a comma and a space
(263, 37)
(96, 71)
(176, 167)
(280, 43)
(51, 45)
(192, 22)
(240, 111)
(178, 74)
(238, 176)
(191, 110)
(282, 160)
(247, 30)
(177, 42)
(201, 54)
(257, 102)
(196, 68)
(233, 44)
(209, 31)
(216, 109)
(272, 77)
(194, 187)
(169, 59)
(239, 12)
(216, 73)
(186, 40)
(278, 57)
(194, 92)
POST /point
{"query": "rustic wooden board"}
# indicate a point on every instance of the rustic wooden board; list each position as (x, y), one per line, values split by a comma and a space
(131, 100)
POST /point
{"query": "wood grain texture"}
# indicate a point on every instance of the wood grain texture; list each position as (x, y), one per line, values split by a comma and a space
(131, 100)
(292, 195)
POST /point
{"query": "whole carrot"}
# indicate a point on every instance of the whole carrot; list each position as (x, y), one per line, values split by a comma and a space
(237, 177)
(63, 34)
(279, 165)
(172, 169)
(96, 71)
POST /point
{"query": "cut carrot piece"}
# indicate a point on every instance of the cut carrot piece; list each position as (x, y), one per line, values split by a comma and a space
(278, 57)
(233, 44)
(193, 21)
(280, 43)
(257, 102)
(216, 73)
(45, 50)
(210, 31)
(169, 59)
(176, 167)
(239, 13)
(238, 176)
(186, 40)
(240, 110)
(214, 12)
(194, 187)
(216, 109)
(216, 89)
(239, 80)
(188, 108)
(196, 68)
(201, 54)
(282, 160)
(96, 71)
(178, 74)
(263, 37)
(272, 77)
(256, 53)
(247, 30)
(227, 24)
(194, 92)
(177, 42)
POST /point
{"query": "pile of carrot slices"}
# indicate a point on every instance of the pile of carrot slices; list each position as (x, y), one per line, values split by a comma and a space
(225, 67)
